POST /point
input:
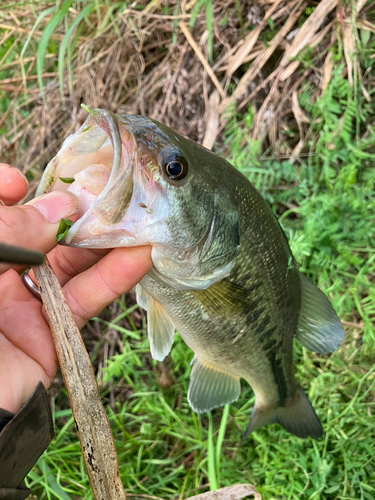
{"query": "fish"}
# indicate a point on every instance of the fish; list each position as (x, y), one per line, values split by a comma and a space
(223, 274)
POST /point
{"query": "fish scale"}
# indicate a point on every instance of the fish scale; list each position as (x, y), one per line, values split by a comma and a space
(223, 272)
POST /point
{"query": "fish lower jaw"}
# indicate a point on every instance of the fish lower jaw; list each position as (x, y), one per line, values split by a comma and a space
(108, 240)
(98, 237)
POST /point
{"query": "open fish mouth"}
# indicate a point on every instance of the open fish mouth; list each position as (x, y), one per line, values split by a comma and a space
(101, 164)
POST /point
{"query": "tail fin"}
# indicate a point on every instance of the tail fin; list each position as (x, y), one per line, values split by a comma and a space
(297, 416)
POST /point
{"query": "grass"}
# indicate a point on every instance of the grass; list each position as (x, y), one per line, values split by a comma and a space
(317, 173)
(327, 203)
(167, 451)
(164, 448)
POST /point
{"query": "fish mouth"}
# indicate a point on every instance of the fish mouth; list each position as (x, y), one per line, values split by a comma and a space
(111, 204)
(98, 164)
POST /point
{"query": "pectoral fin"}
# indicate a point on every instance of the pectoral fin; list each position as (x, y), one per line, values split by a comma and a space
(211, 387)
(319, 329)
(160, 329)
(141, 296)
(222, 298)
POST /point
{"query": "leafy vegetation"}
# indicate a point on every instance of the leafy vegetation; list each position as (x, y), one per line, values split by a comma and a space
(317, 172)
(327, 204)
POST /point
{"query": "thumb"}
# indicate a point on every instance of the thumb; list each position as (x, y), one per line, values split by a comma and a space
(34, 225)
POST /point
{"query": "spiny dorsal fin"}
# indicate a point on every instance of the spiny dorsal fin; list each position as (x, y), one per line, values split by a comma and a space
(222, 298)
(211, 387)
(160, 329)
(319, 329)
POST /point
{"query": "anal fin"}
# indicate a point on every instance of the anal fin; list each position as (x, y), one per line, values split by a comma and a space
(319, 329)
(160, 329)
(211, 387)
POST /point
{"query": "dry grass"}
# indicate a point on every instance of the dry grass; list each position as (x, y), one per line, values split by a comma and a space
(147, 59)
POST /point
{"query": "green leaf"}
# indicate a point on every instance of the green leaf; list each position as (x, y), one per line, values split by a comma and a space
(42, 47)
(64, 226)
(67, 180)
(87, 109)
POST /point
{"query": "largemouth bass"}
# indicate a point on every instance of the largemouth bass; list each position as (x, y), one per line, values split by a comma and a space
(223, 274)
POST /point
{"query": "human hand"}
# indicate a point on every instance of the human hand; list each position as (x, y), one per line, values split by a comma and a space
(91, 280)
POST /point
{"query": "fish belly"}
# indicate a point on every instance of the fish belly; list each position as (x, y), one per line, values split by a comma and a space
(230, 344)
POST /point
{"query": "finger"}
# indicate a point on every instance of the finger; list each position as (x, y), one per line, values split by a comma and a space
(13, 184)
(34, 225)
(22, 321)
(68, 262)
(27, 353)
(116, 273)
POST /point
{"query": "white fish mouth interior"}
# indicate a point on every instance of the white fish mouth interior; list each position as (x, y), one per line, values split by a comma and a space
(89, 167)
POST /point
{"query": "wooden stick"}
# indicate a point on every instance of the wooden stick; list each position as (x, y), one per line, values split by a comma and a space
(92, 425)
(235, 492)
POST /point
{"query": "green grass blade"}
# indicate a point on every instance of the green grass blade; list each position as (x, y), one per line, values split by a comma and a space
(195, 12)
(64, 44)
(220, 440)
(50, 480)
(106, 20)
(211, 456)
(24, 48)
(209, 29)
(42, 47)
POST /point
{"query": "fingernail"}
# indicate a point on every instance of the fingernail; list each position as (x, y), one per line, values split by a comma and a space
(56, 205)
(21, 174)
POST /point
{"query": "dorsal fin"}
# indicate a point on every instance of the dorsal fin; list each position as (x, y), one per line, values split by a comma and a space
(318, 329)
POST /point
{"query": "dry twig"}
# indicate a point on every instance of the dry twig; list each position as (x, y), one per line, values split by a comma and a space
(94, 432)
(201, 57)
(236, 492)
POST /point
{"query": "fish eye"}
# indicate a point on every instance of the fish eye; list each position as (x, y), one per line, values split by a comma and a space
(175, 167)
